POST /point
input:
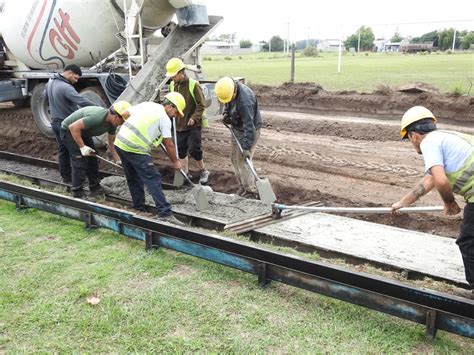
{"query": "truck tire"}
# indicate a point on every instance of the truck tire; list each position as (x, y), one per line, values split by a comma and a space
(40, 110)
(98, 97)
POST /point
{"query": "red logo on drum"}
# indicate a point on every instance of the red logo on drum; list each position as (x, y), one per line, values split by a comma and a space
(63, 38)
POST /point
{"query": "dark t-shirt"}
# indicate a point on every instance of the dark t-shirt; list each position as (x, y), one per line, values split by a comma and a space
(94, 120)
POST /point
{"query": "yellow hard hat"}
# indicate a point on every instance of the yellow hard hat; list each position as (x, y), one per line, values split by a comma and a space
(173, 66)
(177, 100)
(225, 89)
(416, 113)
(121, 107)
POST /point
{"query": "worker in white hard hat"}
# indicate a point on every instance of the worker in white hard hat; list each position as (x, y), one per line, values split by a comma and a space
(189, 129)
(242, 113)
(149, 125)
(76, 134)
(449, 167)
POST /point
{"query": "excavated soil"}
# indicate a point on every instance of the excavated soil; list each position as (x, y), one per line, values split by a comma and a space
(341, 149)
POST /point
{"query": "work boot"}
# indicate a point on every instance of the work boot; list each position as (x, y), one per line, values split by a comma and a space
(469, 294)
(171, 219)
(240, 191)
(250, 195)
(100, 191)
(84, 197)
(204, 177)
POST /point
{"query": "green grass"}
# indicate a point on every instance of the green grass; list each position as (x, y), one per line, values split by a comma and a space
(360, 72)
(162, 301)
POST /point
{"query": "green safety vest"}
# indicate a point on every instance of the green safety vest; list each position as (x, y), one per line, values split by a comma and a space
(462, 180)
(192, 84)
(134, 137)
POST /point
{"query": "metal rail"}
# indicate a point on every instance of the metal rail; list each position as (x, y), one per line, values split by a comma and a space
(435, 310)
(247, 227)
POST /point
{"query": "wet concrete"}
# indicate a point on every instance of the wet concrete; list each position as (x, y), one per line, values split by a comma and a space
(223, 208)
(421, 252)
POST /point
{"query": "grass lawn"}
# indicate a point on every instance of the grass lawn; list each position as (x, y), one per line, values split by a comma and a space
(162, 301)
(361, 72)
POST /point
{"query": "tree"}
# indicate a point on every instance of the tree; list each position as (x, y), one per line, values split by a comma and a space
(445, 39)
(396, 38)
(430, 37)
(245, 43)
(310, 51)
(227, 37)
(467, 40)
(276, 44)
(366, 39)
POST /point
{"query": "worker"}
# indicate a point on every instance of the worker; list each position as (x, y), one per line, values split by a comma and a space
(77, 131)
(448, 158)
(189, 128)
(149, 125)
(64, 100)
(242, 113)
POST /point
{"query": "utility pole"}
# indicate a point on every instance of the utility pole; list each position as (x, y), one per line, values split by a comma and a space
(358, 41)
(307, 38)
(293, 51)
(454, 39)
(288, 38)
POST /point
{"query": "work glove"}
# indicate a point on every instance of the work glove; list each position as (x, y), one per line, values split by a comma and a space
(227, 119)
(87, 151)
(246, 153)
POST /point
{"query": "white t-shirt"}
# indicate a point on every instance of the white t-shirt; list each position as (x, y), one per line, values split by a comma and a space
(445, 149)
(152, 109)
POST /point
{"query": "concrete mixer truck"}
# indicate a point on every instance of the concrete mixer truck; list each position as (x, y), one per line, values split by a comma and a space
(114, 41)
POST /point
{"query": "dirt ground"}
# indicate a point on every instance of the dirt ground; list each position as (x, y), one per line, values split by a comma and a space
(342, 149)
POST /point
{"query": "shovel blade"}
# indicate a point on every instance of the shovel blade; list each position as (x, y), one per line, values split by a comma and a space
(201, 198)
(265, 191)
(178, 179)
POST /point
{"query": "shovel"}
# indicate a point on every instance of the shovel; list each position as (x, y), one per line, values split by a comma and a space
(198, 191)
(264, 187)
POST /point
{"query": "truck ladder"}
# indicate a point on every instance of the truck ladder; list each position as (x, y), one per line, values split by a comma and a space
(134, 34)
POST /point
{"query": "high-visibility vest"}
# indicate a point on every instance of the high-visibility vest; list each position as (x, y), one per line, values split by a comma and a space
(134, 137)
(462, 180)
(192, 85)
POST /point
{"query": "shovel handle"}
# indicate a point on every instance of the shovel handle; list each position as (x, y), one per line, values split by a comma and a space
(108, 161)
(280, 207)
(249, 163)
(181, 170)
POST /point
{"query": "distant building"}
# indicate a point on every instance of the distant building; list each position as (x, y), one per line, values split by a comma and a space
(382, 45)
(226, 48)
(329, 45)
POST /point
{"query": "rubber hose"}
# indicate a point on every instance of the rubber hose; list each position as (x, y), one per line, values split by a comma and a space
(115, 85)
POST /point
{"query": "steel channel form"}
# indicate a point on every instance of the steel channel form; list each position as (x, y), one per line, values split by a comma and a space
(434, 309)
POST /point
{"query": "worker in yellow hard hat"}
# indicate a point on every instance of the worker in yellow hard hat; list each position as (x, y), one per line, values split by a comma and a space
(241, 113)
(449, 167)
(189, 129)
(76, 134)
(149, 125)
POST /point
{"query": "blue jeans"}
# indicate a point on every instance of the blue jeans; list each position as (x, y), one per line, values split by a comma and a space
(63, 155)
(140, 171)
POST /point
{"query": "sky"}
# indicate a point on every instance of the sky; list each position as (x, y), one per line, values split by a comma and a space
(332, 19)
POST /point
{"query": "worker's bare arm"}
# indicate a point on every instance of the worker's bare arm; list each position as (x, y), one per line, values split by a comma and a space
(76, 131)
(170, 149)
(421, 189)
(441, 182)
